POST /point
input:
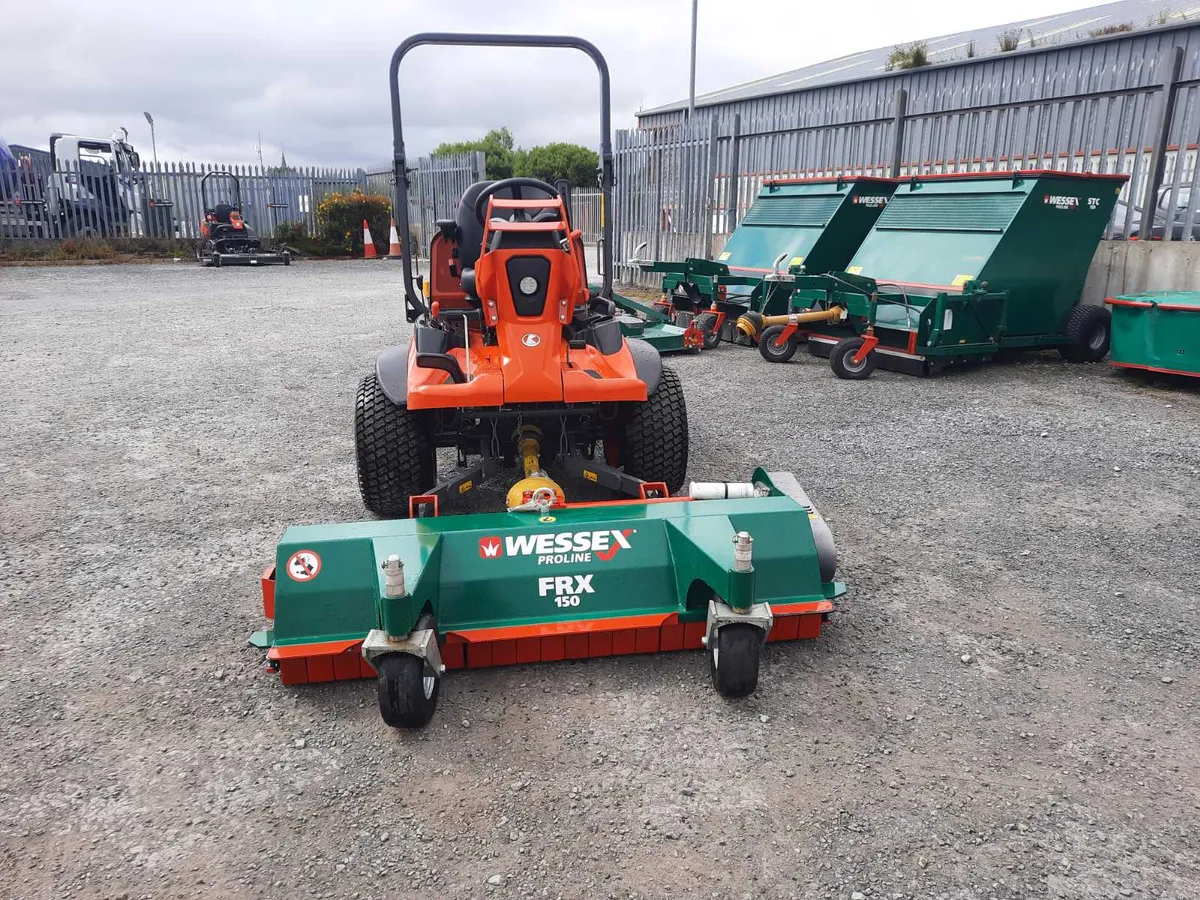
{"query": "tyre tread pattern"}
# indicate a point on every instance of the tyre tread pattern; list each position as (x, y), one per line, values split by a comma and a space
(655, 446)
(395, 459)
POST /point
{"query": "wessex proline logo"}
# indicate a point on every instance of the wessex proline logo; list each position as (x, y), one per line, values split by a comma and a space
(1061, 201)
(563, 547)
(871, 201)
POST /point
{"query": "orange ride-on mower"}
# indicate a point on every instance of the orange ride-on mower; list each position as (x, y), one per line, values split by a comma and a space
(225, 237)
(514, 359)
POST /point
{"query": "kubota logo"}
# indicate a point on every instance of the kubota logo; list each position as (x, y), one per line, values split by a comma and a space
(563, 547)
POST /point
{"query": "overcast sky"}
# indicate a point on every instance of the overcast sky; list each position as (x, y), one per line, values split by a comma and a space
(311, 75)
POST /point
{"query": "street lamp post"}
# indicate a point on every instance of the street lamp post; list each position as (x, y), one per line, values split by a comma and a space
(153, 142)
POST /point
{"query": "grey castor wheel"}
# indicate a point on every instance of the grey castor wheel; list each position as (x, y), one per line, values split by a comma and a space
(841, 360)
(773, 352)
(707, 323)
(733, 659)
(408, 691)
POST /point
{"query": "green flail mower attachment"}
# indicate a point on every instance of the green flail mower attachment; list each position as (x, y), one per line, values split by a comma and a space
(644, 322)
(727, 568)
(794, 226)
(962, 267)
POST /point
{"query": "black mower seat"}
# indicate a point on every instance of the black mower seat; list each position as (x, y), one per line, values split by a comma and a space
(222, 212)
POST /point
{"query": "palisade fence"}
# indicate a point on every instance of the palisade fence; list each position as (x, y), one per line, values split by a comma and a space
(681, 188)
(79, 199)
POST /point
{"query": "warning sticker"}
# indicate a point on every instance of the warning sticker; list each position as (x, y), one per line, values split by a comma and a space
(724, 256)
(796, 261)
(854, 270)
(960, 280)
(303, 565)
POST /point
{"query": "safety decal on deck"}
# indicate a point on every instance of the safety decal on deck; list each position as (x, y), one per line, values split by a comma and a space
(854, 270)
(796, 261)
(724, 256)
(303, 565)
(960, 280)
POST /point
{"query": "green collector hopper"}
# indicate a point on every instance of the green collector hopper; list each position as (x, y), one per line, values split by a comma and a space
(962, 266)
(817, 223)
(1157, 332)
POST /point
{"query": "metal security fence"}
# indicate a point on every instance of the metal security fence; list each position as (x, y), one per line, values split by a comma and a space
(435, 185)
(1129, 104)
(48, 199)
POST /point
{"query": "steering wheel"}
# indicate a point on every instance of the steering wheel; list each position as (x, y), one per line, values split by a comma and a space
(517, 184)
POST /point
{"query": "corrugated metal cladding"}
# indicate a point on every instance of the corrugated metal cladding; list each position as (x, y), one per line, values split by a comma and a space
(1116, 64)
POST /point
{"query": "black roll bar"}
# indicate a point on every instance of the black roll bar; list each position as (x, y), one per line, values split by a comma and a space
(416, 303)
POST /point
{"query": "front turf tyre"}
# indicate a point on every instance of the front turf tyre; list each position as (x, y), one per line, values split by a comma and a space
(733, 659)
(841, 360)
(654, 446)
(1089, 330)
(393, 449)
(408, 691)
(768, 349)
(707, 323)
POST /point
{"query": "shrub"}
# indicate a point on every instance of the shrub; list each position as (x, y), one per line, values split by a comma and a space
(340, 218)
(290, 232)
(1119, 28)
(911, 57)
(1008, 41)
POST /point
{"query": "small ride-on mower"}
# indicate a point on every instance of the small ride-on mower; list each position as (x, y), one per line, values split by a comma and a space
(513, 361)
(225, 238)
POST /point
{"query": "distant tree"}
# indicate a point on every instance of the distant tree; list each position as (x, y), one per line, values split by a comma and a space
(554, 161)
(496, 146)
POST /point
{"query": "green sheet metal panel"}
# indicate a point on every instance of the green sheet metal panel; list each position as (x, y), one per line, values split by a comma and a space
(1157, 331)
(490, 569)
(1032, 234)
(814, 222)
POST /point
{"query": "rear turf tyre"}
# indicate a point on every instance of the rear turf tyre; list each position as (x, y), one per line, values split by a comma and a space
(770, 352)
(707, 323)
(841, 360)
(408, 692)
(733, 660)
(394, 453)
(1089, 329)
(654, 445)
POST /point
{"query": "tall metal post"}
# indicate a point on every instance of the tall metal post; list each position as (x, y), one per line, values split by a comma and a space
(735, 165)
(1172, 65)
(692, 74)
(710, 187)
(898, 132)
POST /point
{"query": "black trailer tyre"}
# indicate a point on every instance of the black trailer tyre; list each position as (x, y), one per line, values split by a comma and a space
(655, 441)
(1089, 329)
(707, 323)
(408, 691)
(772, 353)
(841, 360)
(733, 659)
(394, 454)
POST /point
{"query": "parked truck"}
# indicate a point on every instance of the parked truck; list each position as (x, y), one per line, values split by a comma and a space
(80, 187)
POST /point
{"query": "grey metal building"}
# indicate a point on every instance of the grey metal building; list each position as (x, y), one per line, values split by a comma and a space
(1126, 101)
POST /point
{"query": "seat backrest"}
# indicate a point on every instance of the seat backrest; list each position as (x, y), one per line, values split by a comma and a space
(470, 232)
(222, 211)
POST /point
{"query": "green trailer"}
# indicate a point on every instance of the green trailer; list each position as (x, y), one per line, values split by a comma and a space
(961, 267)
(1157, 332)
(808, 224)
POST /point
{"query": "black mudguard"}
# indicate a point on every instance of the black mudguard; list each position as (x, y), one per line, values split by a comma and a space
(391, 368)
(648, 364)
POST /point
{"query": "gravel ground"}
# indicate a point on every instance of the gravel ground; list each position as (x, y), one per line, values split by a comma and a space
(1003, 706)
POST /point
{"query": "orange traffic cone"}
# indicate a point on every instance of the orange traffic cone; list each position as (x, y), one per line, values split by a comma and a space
(394, 251)
(368, 242)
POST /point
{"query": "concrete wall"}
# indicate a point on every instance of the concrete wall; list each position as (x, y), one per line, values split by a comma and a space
(1122, 267)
